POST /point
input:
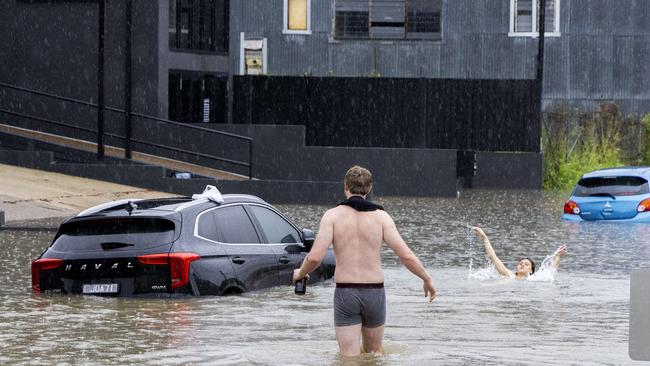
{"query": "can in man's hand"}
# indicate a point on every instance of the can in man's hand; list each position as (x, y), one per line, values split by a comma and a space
(301, 287)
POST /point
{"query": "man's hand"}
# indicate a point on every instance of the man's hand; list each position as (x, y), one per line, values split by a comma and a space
(429, 290)
(296, 275)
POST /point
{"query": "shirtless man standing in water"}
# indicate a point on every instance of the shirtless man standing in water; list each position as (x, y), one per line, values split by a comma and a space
(356, 229)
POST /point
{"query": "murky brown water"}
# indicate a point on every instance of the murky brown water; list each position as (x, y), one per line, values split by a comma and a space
(580, 318)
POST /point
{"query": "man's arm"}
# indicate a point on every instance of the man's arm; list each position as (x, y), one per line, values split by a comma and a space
(318, 250)
(395, 242)
(490, 252)
(558, 254)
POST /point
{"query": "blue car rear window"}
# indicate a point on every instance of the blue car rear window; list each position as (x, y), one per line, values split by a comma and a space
(611, 186)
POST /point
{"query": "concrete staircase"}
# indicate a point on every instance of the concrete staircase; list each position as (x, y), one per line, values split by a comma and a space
(55, 153)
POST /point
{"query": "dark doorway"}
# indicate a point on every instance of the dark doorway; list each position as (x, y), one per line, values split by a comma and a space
(196, 97)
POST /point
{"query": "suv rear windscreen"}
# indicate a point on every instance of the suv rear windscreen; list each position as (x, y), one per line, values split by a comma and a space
(611, 186)
(114, 234)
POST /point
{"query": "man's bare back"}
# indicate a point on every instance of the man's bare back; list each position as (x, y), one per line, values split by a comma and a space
(356, 229)
(356, 237)
(357, 240)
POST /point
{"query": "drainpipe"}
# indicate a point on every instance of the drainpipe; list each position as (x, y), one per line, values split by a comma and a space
(127, 81)
(540, 53)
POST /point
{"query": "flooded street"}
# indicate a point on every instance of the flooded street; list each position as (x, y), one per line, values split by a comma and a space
(581, 317)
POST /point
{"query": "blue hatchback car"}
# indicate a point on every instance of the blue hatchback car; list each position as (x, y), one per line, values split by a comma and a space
(612, 194)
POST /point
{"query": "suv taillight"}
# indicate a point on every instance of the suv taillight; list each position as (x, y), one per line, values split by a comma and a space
(179, 265)
(42, 264)
(644, 206)
(571, 208)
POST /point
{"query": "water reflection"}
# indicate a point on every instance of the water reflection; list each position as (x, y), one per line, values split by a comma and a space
(581, 317)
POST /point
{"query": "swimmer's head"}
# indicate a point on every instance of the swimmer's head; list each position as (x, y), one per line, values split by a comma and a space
(358, 180)
(525, 267)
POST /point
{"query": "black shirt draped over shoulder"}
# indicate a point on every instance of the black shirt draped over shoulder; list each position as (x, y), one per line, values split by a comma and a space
(361, 204)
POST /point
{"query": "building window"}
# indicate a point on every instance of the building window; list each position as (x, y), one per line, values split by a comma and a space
(297, 16)
(524, 18)
(388, 19)
(199, 25)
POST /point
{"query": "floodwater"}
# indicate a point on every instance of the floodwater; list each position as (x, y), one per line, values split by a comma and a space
(578, 317)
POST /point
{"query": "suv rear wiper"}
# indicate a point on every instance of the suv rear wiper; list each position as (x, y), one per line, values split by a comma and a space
(115, 245)
(602, 195)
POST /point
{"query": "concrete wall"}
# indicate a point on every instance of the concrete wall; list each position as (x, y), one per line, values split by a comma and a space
(281, 154)
(508, 171)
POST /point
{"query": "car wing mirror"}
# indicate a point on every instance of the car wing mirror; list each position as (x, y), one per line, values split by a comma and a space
(308, 238)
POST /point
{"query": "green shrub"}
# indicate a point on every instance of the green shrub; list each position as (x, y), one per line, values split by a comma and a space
(645, 122)
(575, 143)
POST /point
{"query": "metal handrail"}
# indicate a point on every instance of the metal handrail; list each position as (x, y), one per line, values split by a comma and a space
(57, 123)
(248, 139)
(197, 128)
(188, 152)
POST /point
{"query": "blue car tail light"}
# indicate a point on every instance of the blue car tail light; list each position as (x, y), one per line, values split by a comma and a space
(572, 208)
(644, 206)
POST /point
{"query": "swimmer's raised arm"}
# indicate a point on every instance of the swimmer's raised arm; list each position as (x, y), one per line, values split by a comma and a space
(490, 252)
(394, 240)
(558, 254)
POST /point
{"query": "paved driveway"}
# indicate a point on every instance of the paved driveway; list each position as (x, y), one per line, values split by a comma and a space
(28, 194)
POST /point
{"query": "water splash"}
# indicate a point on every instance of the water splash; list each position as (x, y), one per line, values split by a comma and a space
(486, 273)
(546, 271)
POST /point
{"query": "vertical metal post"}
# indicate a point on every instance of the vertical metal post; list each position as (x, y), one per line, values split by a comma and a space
(424, 106)
(540, 53)
(540, 59)
(100, 79)
(250, 159)
(250, 99)
(127, 82)
(230, 92)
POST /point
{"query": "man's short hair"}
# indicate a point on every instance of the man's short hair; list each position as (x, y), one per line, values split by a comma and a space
(358, 180)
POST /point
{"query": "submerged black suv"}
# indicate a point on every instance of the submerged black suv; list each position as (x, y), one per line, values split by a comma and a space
(166, 247)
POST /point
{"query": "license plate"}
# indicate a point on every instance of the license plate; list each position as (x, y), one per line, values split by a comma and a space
(101, 288)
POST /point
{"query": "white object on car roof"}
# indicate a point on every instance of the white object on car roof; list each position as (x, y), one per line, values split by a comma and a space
(211, 193)
(107, 205)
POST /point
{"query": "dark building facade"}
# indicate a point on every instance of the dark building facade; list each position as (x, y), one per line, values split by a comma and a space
(184, 52)
(179, 55)
(186, 56)
(596, 50)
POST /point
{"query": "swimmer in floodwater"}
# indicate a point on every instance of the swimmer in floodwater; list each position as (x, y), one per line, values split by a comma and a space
(525, 267)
